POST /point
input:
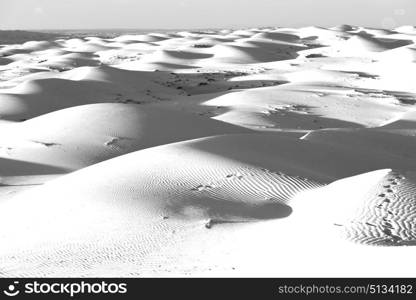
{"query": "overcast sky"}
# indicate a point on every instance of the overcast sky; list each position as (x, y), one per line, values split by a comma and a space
(178, 14)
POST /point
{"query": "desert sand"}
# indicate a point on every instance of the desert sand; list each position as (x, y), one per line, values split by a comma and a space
(256, 152)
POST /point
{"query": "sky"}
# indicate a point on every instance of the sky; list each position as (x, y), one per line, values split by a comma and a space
(193, 14)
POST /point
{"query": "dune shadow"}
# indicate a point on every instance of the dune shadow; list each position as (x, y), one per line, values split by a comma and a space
(5, 61)
(166, 66)
(11, 167)
(401, 124)
(303, 117)
(226, 86)
(229, 211)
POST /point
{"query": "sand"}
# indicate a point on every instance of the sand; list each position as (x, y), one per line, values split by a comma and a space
(255, 152)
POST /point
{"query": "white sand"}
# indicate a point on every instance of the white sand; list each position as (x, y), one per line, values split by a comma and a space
(257, 152)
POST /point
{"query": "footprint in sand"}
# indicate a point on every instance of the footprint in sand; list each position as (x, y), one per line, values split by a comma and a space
(212, 222)
(238, 176)
(201, 188)
(46, 144)
(111, 142)
(388, 225)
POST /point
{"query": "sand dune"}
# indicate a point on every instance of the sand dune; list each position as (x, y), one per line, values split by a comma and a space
(386, 213)
(83, 86)
(366, 43)
(407, 29)
(405, 54)
(404, 121)
(208, 153)
(154, 196)
(84, 135)
(303, 107)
